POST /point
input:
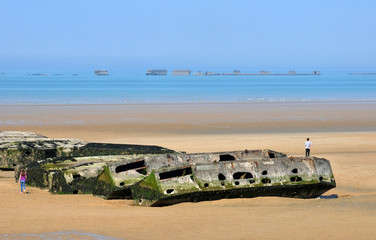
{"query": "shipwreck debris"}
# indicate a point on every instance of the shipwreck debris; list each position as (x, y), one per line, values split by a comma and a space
(157, 176)
(283, 177)
(21, 148)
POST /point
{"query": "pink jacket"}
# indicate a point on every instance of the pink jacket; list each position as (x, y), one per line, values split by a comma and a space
(23, 178)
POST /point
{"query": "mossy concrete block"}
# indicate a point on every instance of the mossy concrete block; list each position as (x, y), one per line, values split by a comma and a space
(128, 171)
(21, 148)
(284, 177)
(168, 177)
(73, 175)
(112, 176)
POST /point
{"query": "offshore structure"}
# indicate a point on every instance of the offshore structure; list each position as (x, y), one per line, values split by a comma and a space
(181, 72)
(260, 73)
(156, 72)
(101, 72)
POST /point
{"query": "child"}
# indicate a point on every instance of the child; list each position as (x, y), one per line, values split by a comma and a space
(23, 177)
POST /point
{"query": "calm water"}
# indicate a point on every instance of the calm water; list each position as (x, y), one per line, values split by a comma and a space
(86, 88)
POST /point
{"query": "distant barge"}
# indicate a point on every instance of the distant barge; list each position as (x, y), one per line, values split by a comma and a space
(101, 72)
(260, 73)
(181, 72)
(156, 72)
(187, 72)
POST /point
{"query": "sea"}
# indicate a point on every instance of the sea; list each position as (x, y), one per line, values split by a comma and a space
(21, 88)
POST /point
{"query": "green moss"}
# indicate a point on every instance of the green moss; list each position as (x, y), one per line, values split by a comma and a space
(37, 177)
(147, 191)
(12, 152)
(151, 182)
(106, 176)
(77, 186)
(53, 166)
(179, 188)
(131, 181)
(304, 182)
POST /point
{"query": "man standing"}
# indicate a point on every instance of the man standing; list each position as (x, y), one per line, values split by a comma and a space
(307, 145)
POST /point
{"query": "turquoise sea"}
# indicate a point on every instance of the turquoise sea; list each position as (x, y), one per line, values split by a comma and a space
(122, 88)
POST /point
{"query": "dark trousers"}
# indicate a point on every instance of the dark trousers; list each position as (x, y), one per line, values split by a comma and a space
(307, 152)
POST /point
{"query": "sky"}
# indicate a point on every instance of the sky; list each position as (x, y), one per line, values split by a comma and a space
(220, 35)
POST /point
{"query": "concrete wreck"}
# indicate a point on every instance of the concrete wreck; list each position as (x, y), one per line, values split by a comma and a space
(157, 176)
(21, 148)
(113, 176)
(295, 177)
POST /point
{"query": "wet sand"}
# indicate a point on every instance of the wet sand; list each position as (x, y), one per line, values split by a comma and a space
(98, 121)
(342, 133)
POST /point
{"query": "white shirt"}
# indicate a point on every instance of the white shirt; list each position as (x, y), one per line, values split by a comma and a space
(307, 144)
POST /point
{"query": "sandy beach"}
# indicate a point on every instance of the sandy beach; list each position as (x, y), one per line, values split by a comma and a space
(343, 133)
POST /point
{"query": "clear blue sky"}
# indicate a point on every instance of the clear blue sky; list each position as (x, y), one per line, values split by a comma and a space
(132, 35)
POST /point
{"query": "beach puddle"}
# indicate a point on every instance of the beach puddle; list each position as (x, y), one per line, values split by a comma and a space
(332, 196)
(63, 235)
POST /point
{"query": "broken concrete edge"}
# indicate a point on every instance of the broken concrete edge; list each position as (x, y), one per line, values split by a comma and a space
(10, 135)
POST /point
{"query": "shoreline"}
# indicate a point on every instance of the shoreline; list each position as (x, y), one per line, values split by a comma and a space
(191, 103)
